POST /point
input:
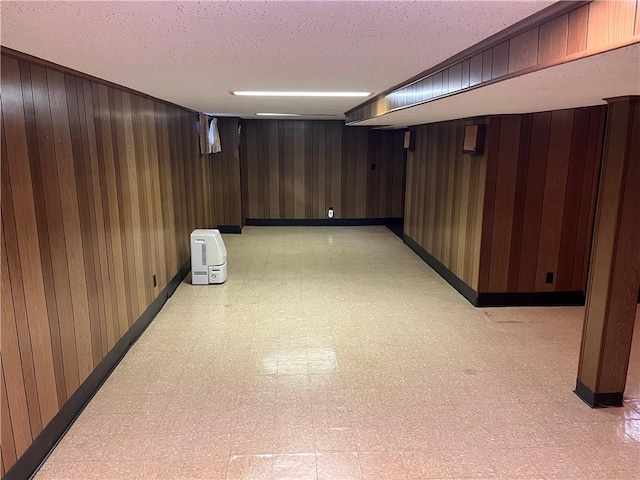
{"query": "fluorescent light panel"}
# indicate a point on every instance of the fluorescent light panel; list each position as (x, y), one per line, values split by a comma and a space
(300, 94)
(278, 114)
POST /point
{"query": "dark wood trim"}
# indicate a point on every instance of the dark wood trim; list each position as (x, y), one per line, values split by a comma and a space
(9, 52)
(598, 400)
(46, 441)
(552, 11)
(321, 222)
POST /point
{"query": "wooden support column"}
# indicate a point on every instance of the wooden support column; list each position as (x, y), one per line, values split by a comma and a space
(614, 279)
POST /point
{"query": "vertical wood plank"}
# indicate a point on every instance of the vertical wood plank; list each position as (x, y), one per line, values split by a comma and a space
(486, 248)
(137, 226)
(609, 22)
(125, 202)
(117, 263)
(336, 171)
(274, 170)
(553, 39)
(588, 196)
(102, 214)
(100, 252)
(519, 202)
(475, 70)
(84, 219)
(555, 184)
(571, 202)
(577, 38)
(487, 62)
(504, 203)
(24, 211)
(289, 169)
(540, 129)
(299, 164)
(16, 425)
(71, 221)
(322, 170)
(43, 236)
(360, 174)
(523, 51)
(500, 62)
(54, 222)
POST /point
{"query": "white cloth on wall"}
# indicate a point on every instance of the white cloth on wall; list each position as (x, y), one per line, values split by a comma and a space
(214, 136)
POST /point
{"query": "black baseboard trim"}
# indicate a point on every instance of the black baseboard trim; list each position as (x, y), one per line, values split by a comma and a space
(530, 299)
(397, 229)
(175, 282)
(598, 400)
(44, 443)
(506, 299)
(229, 228)
(465, 290)
(321, 222)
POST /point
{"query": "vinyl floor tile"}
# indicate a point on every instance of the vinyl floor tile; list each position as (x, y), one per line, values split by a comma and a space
(310, 363)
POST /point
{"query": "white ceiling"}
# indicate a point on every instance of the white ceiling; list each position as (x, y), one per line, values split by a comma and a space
(193, 53)
(579, 83)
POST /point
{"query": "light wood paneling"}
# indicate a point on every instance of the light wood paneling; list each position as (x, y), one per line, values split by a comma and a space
(553, 39)
(295, 169)
(523, 50)
(610, 22)
(578, 25)
(100, 189)
(558, 34)
(444, 198)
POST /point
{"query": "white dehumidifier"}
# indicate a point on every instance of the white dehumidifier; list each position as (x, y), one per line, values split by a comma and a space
(208, 257)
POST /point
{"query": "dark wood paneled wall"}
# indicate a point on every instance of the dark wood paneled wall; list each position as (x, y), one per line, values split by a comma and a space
(297, 169)
(100, 189)
(561, 33)
(541, 184)
(500, 222)
(444, 198)
(224, 179)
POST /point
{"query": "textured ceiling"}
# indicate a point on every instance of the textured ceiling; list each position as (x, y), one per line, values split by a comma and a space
(194, 53)
(576, 84)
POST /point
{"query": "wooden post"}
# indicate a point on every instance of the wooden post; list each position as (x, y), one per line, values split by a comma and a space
(614, 279)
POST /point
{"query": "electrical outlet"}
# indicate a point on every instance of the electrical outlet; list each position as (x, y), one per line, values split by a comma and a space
(330, 212)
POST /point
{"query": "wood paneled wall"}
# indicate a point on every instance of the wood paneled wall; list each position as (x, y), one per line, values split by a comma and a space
(541, 186)
(500, 222)
(224, 178)
(444, 198)
(297, 169)
(100, 189)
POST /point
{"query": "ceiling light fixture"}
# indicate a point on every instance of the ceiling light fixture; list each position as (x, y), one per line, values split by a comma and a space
(278, 114)
(300, 94)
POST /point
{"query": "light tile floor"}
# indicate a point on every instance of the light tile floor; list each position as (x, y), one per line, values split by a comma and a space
(336, 353)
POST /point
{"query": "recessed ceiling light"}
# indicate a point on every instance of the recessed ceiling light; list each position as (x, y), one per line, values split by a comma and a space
(278, 114)
(300, 94)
